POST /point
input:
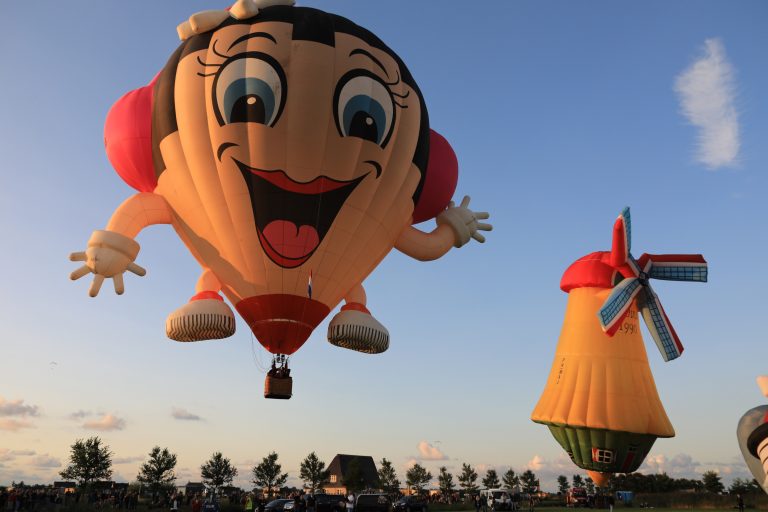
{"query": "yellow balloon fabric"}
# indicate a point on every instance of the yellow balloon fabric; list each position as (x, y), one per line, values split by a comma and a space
(601, 382)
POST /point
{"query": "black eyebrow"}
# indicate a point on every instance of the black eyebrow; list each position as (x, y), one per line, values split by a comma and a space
(253, 34)
(360, 51)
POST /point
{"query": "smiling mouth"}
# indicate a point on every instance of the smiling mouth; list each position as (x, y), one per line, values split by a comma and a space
(292, 218)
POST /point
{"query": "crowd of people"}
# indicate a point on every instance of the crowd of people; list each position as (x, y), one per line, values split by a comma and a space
(39, 498)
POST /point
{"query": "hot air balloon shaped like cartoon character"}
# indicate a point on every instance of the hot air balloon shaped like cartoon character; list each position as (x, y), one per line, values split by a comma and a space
(752, 434)
(290, 149)
(600, 401)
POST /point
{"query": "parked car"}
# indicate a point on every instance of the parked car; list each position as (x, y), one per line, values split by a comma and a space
(330, 503)
(277, 505)
(410, 504)
(373, 503)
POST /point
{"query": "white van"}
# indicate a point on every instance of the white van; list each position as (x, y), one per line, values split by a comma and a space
(503, 499)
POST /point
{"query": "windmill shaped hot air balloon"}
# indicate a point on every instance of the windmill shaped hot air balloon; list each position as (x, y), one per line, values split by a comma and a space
(291, 151)
(752, 434)
(600, 401)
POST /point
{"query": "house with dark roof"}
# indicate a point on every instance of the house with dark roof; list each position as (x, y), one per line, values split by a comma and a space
(192, 488)
(340, 467)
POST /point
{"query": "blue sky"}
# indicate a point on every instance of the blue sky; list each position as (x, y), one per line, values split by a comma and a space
(561, 114)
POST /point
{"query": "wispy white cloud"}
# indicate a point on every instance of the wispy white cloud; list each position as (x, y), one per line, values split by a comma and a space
(127, 460)
(45, 461)
(23, 453)
(79, 415)
(183, 414)
(16, 408)
(707, 96)
(14, 425)
(106, 422)
(429, 452)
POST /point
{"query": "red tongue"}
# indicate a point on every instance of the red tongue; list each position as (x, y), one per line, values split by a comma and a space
(289, 242)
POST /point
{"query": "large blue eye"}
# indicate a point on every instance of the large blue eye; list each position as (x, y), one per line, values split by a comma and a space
(249, 89)
(364, 108)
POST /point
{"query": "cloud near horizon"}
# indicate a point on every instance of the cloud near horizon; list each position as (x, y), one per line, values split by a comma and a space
(17, 408)
(429, 452)
(45, 461)
(13, 425)
(184, 415)
(683, 465)
(707, 95)
(105, 423)
(127, 460)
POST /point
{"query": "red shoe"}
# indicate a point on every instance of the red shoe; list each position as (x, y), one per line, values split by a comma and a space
(205, 317)
(355, 328)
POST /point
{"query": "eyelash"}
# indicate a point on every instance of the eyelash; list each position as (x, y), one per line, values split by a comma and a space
(389, 85)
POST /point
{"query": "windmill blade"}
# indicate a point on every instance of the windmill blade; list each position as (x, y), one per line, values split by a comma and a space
(676, 267)
(659, 325)
(616, 306)
(622, 239)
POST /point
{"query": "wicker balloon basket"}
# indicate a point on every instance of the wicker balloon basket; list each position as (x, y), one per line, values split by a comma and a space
(280, 388)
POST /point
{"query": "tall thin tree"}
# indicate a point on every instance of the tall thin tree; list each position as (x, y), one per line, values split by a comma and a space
(491, 479)
(417, 478)
(388, 477)
(268, 475)
(158, 471)
(445, 482)
(529, 481)
(313, 472)
(467, 479)
(510, 479)
(217, 471)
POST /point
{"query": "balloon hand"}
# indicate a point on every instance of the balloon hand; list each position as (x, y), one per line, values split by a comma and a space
(464, 222)
(108, 255)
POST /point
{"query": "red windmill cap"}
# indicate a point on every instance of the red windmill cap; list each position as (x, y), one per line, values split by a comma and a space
(593, 270)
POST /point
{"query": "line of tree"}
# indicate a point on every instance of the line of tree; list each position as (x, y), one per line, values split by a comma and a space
(90, 460)
(661, 483)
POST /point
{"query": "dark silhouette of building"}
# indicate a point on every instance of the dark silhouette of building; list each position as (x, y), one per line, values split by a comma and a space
(339, 468)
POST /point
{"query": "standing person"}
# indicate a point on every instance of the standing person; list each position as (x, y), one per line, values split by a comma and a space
(197, 503)
(175, 503)
(248, 505)
(491, 503)
(311, 503)
(740, 502)
(350, 503)
(612, 502)
(477, 503)
(531, 503)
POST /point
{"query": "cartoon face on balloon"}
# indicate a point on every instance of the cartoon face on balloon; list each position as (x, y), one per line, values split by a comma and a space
(308, 129)
(314, 133)
(291, 151)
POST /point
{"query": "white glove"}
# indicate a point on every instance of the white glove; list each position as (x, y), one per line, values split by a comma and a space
(109, 254)
(464, 222)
